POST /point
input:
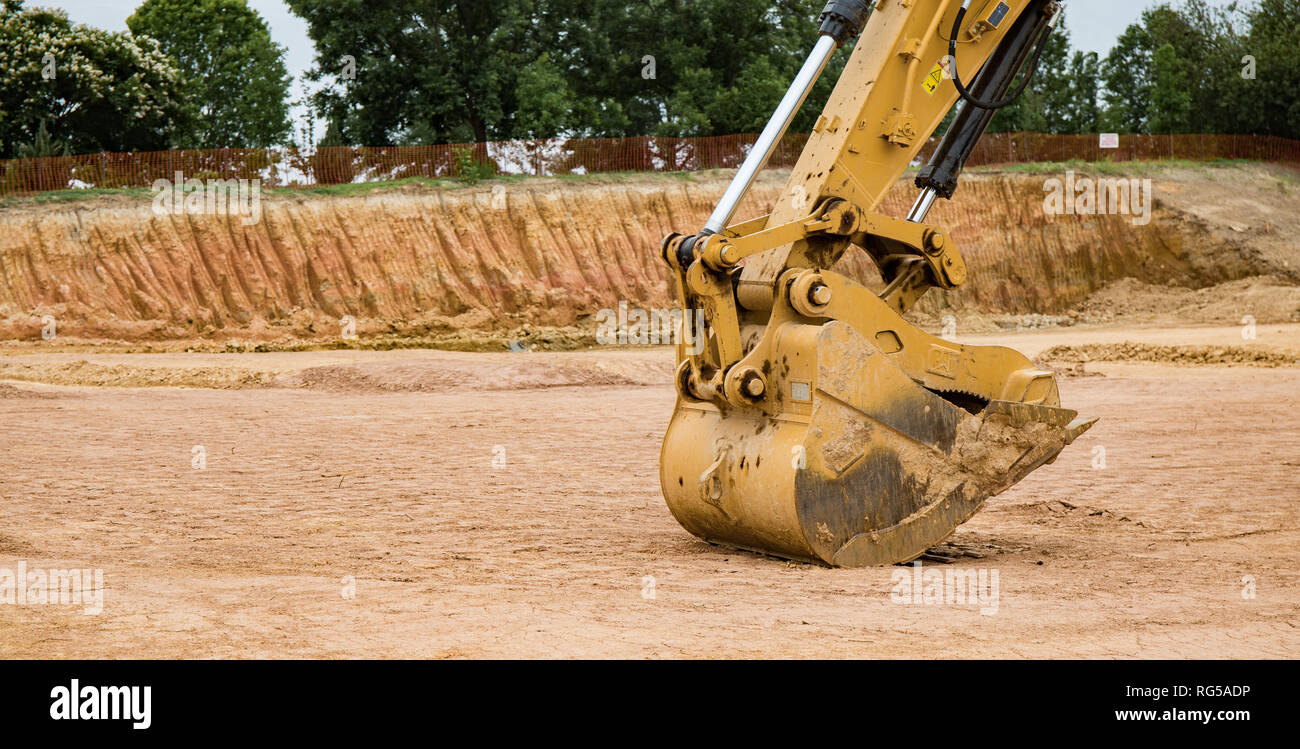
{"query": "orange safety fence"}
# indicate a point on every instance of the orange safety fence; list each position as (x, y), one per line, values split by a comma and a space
(291, 167)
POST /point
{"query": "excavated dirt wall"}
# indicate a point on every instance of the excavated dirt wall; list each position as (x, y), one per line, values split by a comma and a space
(422, 259)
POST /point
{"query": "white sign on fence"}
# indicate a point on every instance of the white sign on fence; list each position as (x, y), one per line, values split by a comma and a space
(1110, 140)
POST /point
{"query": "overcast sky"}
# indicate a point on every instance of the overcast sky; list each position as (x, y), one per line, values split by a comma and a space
(1094, 24)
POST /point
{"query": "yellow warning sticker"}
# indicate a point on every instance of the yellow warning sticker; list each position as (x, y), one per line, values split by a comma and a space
(932, 81)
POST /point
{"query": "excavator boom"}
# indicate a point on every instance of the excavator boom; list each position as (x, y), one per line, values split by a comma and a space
(815, 422)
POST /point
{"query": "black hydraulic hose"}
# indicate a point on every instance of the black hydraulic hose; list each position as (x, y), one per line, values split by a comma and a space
(994, 80)
(971, 98)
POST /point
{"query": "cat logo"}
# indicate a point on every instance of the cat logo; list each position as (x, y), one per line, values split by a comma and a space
(944, 362)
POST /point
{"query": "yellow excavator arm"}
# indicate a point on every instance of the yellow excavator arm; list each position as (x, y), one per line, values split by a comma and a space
(816, 423)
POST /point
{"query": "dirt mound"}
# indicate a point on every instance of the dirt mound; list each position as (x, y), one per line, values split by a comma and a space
(1053, 511)
(1257, 356)
(1067, 368)
(425, 262)
(9, 392)
(452, 377)
(15, 547)
(1264, 298)
(120, 375)
(445, 374)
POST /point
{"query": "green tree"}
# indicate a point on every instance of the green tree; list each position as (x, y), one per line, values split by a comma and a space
(1126, 81)
(726, 75)
(460, 71)
(1082, 110)
(1197, 66)
(1221, 100)
(1272, 98)
(445, 70)
(1171, 101)
(43, 146)
(1047, 104)
(545, 101)
(235, 75)
(93, 90)
(1203, 62)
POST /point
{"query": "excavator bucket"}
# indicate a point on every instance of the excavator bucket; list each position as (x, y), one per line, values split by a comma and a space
(813, 422)
(862, 465)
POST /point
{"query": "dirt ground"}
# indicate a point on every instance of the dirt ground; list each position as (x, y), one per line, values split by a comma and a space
(355, 504)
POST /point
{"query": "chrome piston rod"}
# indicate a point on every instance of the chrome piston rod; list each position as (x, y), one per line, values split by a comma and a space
(921, 208)
(776, 126)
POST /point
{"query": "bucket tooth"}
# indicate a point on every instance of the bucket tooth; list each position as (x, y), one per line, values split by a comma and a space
(1077, 428)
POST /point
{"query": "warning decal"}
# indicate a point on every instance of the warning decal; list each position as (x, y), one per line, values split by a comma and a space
(932, 81)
